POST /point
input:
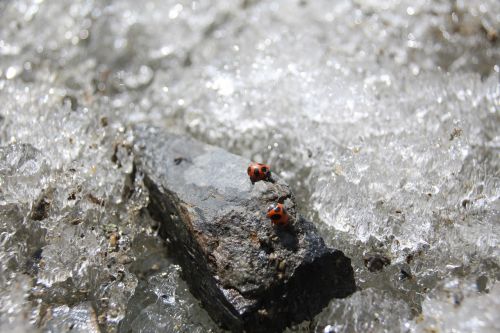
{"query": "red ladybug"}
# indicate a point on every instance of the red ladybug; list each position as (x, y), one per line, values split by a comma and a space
(258, 171)
(277, 214)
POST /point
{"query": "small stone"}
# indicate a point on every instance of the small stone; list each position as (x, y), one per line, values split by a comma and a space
(95, 200)
(405, 275)
(124, 259)
(457, 132)
(71, 101)
(40, 210)
(104, 121)
(376, 262)
(178, 160)
(113, 240)
(120, 275)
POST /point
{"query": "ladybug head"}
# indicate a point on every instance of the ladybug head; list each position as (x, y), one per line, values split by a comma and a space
(276, 209)
(277, 214)
(264, 169)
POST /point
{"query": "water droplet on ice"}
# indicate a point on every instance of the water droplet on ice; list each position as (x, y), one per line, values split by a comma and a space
(11, 72)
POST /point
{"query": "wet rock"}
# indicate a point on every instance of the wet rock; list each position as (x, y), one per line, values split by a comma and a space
(249, 275)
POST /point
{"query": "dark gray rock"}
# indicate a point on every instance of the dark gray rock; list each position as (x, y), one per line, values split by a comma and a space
(249, 275)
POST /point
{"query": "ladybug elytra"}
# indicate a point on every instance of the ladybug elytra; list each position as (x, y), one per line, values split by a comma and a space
(277, 214)
(258, 171)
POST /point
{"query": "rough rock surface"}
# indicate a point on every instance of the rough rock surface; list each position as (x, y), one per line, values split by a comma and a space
(250, 275)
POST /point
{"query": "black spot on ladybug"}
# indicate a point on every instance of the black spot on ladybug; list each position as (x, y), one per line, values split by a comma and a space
(256, 172)
(264, 169)
(276, 217)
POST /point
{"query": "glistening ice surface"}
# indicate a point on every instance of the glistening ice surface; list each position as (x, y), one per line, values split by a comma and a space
(382, 114)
